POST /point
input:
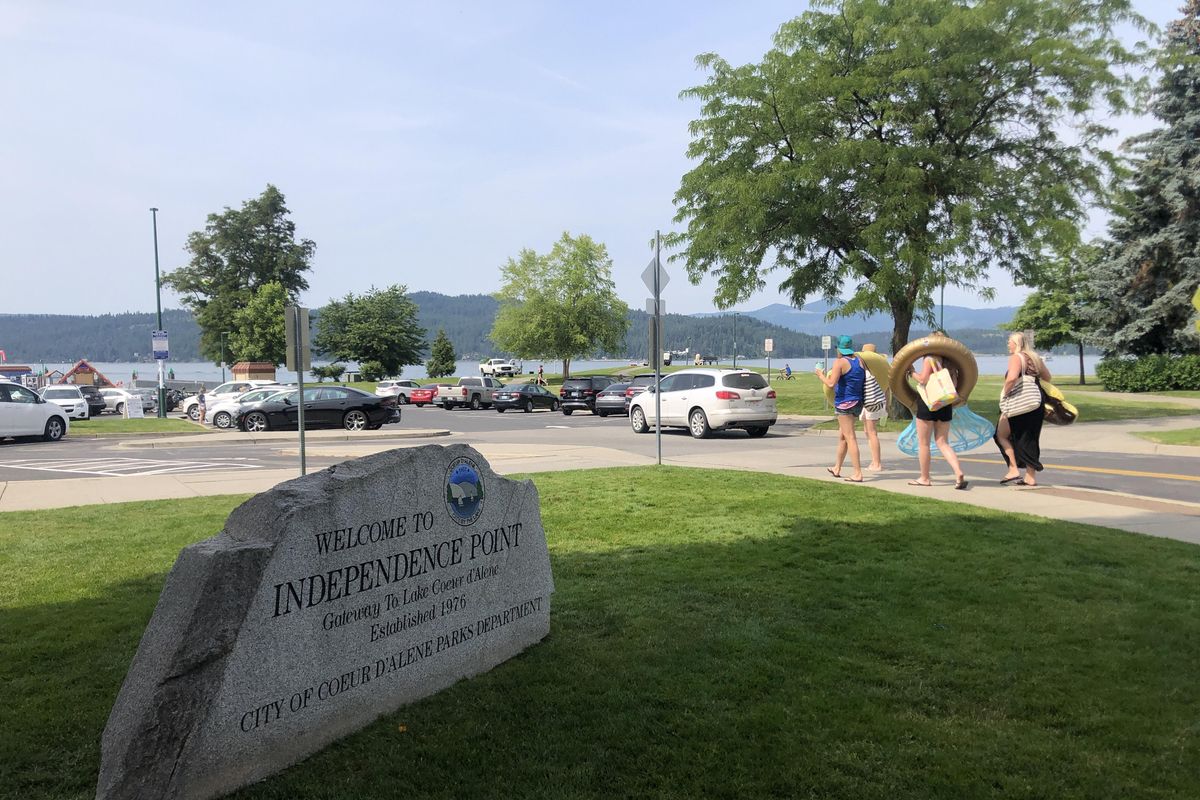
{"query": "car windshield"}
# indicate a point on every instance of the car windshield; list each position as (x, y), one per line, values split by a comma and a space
(744, 380)
(60, 394)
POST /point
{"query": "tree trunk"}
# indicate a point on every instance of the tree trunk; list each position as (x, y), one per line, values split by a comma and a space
(902, 324)
(1082, 377)
(566, 368)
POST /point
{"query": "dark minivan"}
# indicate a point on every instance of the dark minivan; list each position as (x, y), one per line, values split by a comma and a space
(580, 393)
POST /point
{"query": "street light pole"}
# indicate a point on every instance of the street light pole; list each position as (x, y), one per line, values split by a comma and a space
(735, 339)
(162, 394)
(223, 335)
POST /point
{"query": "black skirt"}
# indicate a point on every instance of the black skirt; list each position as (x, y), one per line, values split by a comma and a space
(1025, 433)
(943, 414)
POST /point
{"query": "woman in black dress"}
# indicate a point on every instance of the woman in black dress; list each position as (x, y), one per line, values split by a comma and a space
(1019, 437)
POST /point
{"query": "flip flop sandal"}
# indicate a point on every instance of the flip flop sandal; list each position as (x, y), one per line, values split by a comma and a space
(831, 472)
(1009, 480)
(918, 483)
(853, 480)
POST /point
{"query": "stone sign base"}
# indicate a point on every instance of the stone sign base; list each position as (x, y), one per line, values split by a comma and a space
(325, 603)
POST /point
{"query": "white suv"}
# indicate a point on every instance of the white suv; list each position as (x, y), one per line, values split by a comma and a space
(226, 391)
(23, 413)
(397, 389)
(705, 400)
(69, 398)
(224, 413)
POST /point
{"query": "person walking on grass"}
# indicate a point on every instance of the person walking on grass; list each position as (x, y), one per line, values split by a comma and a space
(846, 379)
(934, 425)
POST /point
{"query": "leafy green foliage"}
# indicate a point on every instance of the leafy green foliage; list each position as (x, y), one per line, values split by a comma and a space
(898, 144)
(239, 252)
(257, 332)
(442, 360)
(332, 371)
(1153, 373)
(106, 337)
(560, 305)
(1055, 310)
(1143, 286)
(378, 327)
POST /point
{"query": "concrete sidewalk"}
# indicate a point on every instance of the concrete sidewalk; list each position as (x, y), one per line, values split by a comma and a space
(1171, 519)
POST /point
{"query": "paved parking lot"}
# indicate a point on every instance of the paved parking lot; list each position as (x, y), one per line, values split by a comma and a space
(108, 466)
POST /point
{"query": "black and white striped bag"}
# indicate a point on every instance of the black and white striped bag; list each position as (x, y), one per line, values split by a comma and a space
(872, 393)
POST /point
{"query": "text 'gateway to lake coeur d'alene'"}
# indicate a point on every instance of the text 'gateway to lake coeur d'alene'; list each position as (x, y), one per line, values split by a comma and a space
(364, 576)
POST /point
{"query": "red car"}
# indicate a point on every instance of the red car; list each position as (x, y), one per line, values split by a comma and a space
(423, 396)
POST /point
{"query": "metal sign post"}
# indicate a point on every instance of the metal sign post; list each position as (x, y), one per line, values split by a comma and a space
(159, 347)
(826, 343)
(655, 278)
(768, 346)
(295, 327)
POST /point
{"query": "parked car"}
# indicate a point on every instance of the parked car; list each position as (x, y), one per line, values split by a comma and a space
(612, 400)
(115, 399)
(24, 413)
(324, 407)
(69, 398)
(579, 393)
(525, 396)
(499, 367)
(223, 413)
(95, 400)
(225, 391)
(704, 400)
(401, 390)
(425, 395)
(474, 392)
(638, 384)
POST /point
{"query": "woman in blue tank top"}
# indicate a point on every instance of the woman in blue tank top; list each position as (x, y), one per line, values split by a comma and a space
(847, 379)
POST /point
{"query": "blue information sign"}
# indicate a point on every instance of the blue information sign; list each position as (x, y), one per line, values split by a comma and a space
(159, 345)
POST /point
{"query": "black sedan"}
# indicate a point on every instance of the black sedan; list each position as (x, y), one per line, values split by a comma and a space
(324, 407)
(525, 396)
(612, 400)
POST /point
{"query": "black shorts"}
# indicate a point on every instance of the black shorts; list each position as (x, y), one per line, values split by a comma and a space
(943, 414)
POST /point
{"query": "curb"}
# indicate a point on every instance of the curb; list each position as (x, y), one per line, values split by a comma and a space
(287, 437)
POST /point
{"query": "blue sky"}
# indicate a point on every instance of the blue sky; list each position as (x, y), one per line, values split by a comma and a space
(415, 145)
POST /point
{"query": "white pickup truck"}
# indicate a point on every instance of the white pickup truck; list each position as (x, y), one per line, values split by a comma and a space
(498, 367)
(474, 392)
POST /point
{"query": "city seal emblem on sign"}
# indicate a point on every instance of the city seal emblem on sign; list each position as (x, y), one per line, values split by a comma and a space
(464, 491)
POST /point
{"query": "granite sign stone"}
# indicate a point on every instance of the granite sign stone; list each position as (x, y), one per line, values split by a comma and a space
(325, 603)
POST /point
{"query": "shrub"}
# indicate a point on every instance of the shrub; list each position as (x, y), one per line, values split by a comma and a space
(371, 370)
(1157, 373)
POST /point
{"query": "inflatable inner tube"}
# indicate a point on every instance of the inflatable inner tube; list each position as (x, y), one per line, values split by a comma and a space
(953, 354)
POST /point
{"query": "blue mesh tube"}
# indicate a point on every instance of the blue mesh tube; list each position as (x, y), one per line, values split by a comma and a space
(968, 430)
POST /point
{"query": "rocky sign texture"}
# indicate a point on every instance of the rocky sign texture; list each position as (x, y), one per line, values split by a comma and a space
(325, 603)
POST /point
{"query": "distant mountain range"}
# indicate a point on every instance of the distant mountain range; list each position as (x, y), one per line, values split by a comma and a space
(811, 318)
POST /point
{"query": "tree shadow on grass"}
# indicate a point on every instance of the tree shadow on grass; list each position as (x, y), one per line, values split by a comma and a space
(860, 658)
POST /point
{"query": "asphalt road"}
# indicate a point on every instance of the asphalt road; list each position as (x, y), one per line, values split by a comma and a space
(1162, 477)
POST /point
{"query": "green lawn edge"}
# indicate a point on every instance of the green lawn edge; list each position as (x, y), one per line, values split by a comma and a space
(781, 638)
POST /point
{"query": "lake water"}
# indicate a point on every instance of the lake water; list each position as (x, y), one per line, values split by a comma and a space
(210, 374)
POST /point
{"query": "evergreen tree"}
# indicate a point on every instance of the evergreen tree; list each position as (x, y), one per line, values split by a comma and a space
(1142, 287)
(442, 360)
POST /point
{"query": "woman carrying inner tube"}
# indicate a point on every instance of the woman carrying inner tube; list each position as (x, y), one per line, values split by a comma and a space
(1019, 437)
(935, 425)
(847, 378)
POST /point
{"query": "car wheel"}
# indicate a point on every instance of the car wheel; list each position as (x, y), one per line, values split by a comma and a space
(120, 409)
(499, 410)
(637, 420)
(194, 413)
(354, 420)
(568, 412)
(528, 406)
(420, 405)
(756, 433)
(255, 422)
(554, 406)
(54, 429)
(402, 399)
(599, 413)
(698, 424)
(475, 403)
(447, 406)
(223, 419)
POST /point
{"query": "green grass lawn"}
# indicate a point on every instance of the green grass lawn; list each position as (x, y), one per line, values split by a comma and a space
(112, 425)
(1190, 436)
(783, 638)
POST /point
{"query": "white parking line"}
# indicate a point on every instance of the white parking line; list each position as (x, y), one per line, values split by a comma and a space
(122, 467)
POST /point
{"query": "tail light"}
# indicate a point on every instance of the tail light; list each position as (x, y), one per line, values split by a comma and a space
(771, 395)
(629, 392)
(723, 394)
(464, 391)
(562, 392)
